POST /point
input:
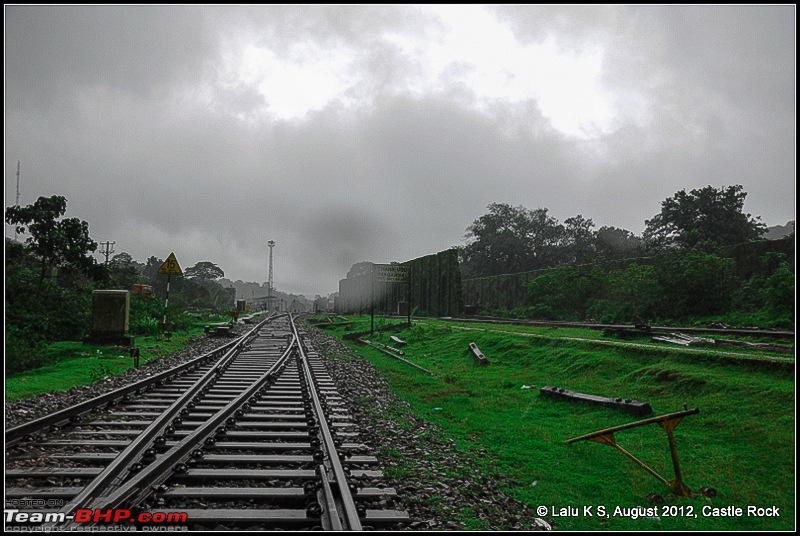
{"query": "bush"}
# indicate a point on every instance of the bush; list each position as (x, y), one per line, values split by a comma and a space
(609, 312)
(566, 292)
(542, 312)
(780, 292)
(678, 286)
(751, 295)
(23, 352)
(144, 315)
(694, 283)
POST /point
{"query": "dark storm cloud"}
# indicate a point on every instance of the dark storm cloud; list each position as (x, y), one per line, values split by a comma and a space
(746, 53)
(133, 113)
(338, 236)
(436, 155)
(706, 93)
(54, 51)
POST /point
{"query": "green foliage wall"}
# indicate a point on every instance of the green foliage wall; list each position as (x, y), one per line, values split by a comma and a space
(748, 278)
(57, 307)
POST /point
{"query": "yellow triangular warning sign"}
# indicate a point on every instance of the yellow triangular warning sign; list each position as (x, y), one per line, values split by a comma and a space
(171, 266)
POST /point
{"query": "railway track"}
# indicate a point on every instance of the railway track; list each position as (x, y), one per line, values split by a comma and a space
(252, 435)
(746, 332)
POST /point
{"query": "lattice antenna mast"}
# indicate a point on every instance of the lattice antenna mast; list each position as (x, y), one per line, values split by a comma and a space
(270, 281)
(17, 201)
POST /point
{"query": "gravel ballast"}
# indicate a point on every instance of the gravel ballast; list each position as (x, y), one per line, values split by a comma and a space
(436, 482)
(30, 409)
(441, 487)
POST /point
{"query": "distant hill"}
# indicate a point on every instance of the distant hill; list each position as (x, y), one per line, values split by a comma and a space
(779, 231)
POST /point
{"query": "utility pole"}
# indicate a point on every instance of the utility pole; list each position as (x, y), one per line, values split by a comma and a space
(109, 249)
(270, 282)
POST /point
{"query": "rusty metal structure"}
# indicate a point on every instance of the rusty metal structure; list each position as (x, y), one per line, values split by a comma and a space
(667, 423)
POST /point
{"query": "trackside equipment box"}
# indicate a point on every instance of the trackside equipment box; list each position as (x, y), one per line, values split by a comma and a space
(110, 314)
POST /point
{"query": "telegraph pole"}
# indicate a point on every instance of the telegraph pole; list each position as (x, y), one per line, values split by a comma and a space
(109, 249)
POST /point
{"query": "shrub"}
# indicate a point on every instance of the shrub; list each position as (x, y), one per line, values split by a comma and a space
(780, 292)
(566, 292)
(694, 283)
(23, 352)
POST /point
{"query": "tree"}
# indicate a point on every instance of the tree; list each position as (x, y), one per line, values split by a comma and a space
(780, 292)
(694, 283)
(204, 271)
(361, 268)
(510, 239)
(151, 266)
(579, 240)
(709, 215)
(56, 243)
(124, 271)
(566, 292)
(123, 259)
(37, 309)
(636, 286)
(615, 243)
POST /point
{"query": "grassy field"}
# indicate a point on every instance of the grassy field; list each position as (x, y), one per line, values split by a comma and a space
(741, 443)
(75, 363)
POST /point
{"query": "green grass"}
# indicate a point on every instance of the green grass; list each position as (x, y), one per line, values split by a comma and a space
(74, 363)
(741, 443)
(583, 334)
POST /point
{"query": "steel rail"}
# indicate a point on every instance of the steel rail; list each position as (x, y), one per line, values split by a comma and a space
(350, 519)
(589, 325)
(112, 473)
(66, 415)
(395, 356)
(171, 457)
(330, 518)
(156, 473)
(710, 352)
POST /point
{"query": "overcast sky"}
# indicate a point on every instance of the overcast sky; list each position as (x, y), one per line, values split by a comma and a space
(350, 133)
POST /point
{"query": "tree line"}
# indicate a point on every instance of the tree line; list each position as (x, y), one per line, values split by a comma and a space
(679, 275)
(50, 277)
(512, 239)
(671, 287)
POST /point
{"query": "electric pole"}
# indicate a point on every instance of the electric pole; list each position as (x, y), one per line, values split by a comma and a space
(109, 249)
